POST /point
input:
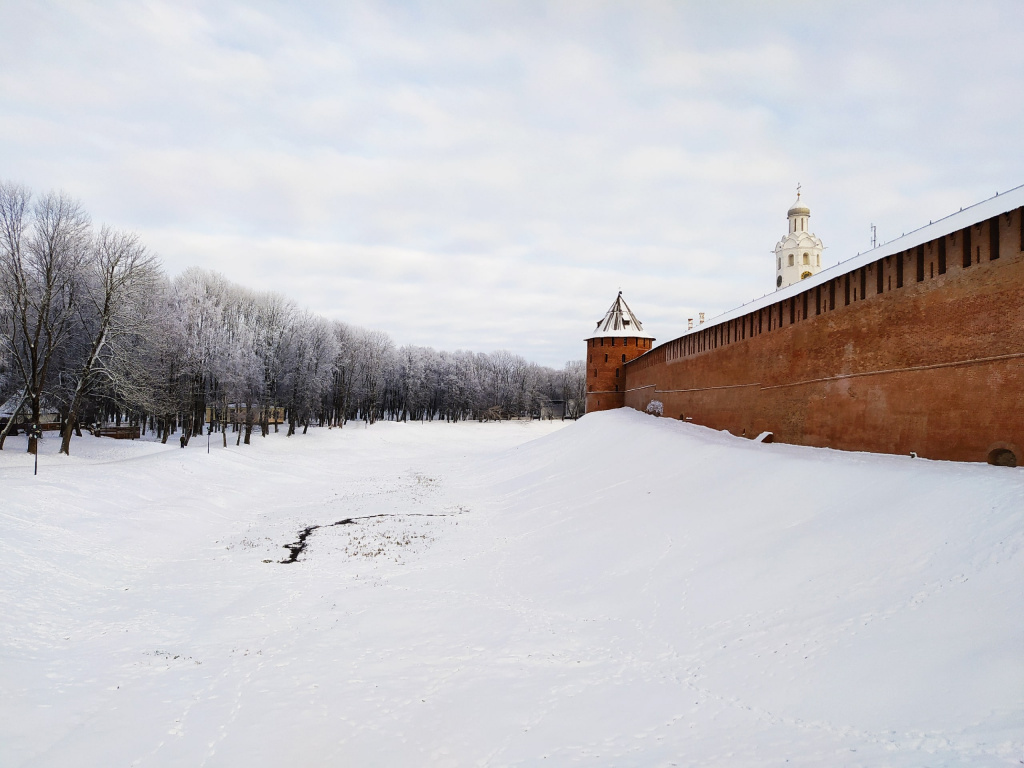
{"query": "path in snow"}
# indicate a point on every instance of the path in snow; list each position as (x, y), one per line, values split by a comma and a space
(624, 591)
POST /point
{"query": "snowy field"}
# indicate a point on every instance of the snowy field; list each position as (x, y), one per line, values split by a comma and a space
(623, 591)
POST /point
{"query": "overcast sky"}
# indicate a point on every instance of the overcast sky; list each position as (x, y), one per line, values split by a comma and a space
(488, 175)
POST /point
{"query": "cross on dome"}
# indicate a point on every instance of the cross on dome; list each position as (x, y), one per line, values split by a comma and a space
(798, 254)
(798, 208)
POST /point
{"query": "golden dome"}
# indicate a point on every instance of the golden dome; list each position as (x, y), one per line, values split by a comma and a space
(798, 208)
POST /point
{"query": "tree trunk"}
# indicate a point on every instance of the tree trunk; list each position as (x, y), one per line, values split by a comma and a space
(249, 418)
(76, 404)
(10, 422)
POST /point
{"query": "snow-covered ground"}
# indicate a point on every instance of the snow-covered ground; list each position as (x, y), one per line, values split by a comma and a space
(622, 591)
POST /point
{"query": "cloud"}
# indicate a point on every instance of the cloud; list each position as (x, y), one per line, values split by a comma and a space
(489, 175)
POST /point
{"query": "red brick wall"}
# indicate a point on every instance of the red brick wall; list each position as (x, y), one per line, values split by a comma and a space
(606, 370)
(935, 366)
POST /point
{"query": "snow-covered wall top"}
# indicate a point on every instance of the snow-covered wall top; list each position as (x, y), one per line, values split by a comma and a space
(994, 206)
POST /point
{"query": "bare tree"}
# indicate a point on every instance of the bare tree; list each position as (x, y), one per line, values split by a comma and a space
(376, 350)
(94, 325)
(41, 255)
(118, 279)
(342, 377)
(14, 215)
(574, 388)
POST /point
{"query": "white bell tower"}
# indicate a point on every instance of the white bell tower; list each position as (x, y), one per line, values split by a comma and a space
(798, 254)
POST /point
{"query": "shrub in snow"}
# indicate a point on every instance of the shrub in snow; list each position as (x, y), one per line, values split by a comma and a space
(655, 408)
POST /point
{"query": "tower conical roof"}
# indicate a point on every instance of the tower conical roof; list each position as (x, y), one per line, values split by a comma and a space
(619, 321)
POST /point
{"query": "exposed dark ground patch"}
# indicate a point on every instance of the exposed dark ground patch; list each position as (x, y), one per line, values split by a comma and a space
(296, 548)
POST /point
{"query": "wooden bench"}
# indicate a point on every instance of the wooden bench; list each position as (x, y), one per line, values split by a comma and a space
(118, 433)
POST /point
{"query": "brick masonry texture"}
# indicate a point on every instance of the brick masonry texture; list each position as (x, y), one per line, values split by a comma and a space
(920, 351)
(606, 370)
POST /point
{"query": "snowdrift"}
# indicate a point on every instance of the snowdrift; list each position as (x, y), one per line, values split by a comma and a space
(627, 590)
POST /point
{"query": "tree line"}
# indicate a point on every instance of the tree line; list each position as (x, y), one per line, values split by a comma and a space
(94, 330)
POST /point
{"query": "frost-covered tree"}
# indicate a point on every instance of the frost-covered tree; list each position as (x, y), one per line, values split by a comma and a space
(574, 388)
(116, 284)
(43, 247)
(90, 322)
(310, 351)
(374, 356)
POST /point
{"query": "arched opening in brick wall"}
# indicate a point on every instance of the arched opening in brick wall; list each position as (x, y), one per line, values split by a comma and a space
(1002, 457)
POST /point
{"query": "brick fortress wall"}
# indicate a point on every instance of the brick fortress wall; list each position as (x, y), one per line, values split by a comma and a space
(919, 351)
(606, 364)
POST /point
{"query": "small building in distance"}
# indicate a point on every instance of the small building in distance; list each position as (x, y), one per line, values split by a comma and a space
(618, 338)
(236, 414)
(49, 414)
(798, 253)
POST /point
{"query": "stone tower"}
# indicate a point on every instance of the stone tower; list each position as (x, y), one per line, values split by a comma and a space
(618, 338)
(798, 254)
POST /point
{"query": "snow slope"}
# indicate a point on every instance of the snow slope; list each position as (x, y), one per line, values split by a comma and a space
(622, 591)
